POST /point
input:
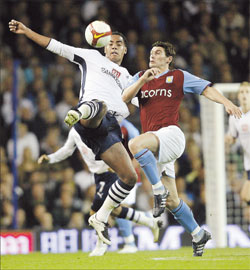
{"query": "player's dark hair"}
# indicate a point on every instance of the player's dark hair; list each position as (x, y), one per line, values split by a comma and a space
(168, 48)
(123, 37)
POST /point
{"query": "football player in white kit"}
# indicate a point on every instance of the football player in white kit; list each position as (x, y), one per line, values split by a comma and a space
(103, 180)
(240, 128)
(99, 112)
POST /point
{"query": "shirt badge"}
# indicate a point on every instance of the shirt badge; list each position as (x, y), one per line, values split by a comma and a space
(169, 79)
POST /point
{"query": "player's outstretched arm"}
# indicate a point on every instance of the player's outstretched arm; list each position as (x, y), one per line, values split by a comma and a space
(19, 28)
(214, 95)
(131, 91)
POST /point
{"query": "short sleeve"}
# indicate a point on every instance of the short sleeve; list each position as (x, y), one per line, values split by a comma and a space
(193, 84)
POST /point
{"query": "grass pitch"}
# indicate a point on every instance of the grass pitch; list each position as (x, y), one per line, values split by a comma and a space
(226, 258)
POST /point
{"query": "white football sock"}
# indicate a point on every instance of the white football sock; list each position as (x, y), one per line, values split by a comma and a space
(85, 110)
(139, 217)
(158, 188)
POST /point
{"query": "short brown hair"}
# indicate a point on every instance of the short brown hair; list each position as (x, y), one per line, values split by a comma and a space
(167, 46)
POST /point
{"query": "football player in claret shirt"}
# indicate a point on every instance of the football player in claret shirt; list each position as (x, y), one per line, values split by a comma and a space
(159, 92)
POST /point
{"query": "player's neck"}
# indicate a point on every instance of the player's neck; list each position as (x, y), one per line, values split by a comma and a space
(116, 62)
(164, 68)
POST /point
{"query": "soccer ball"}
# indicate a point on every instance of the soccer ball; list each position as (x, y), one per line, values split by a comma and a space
(98, 34)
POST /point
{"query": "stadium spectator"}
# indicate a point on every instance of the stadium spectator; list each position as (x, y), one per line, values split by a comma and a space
(89, 9)
(25, 139)
(230, 20)
(68, 101)
(26, 168)
(123, 22)
(52, 140)
(45, 117)
(67, 210)
(244, 57)
(176, 17)
(35, 202)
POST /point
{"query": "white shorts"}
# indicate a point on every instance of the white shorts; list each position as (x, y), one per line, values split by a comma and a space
(172, 145)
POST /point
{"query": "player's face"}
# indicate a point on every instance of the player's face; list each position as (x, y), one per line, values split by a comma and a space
(116, 49)
(244, 96)
(159, 59)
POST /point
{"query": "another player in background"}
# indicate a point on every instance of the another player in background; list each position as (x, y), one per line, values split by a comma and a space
(97, 122)
(104, 179)
(159, 91)
(240, 128)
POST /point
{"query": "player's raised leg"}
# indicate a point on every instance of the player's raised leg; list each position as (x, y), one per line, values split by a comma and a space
(143, 147)
(89, 112)
(183, 214)
(139, 217)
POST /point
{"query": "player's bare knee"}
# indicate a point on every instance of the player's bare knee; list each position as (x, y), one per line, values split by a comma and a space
(133, 146)
(96, 121)
(129, 179)
(103, 111)
(172, 203)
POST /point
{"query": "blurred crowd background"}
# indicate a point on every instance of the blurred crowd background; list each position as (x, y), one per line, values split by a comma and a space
(212, 41)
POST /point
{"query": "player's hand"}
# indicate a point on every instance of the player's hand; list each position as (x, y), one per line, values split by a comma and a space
(17, 27)
(233, 110)
(43, 159)
(150, 74)
(72, 117)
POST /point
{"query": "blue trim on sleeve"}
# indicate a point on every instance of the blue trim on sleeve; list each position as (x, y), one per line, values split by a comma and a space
(133, 79)
(193, 84)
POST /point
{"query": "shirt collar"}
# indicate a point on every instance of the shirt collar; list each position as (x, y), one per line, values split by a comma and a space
(163, 73)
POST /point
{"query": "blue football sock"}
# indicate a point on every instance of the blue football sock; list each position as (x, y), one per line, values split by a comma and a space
(183, 214)
(148, 163)
(125, 227)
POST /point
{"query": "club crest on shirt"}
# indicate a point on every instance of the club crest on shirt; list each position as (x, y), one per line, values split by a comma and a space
(169, 79)
(116, 73)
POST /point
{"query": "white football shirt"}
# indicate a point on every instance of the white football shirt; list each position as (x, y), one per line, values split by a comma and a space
(240, 128)
(74, 141)
(101, 78)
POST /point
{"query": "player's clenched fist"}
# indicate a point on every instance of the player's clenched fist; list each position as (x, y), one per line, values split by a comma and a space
(17, 27)
(150, 74)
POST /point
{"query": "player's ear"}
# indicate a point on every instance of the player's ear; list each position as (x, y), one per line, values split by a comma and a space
(125, 51)
(169, 59)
